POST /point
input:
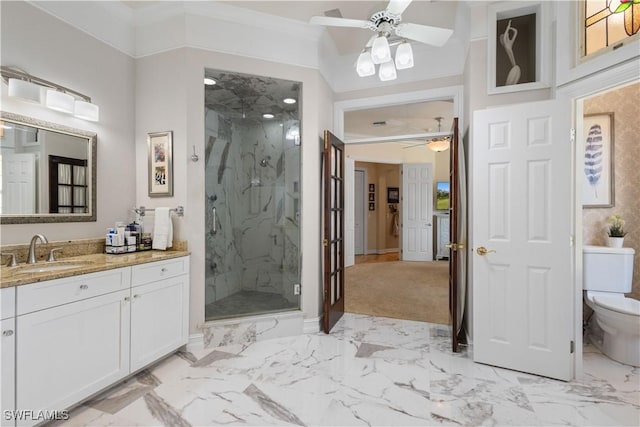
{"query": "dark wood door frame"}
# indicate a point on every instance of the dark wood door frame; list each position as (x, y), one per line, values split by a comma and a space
(454, 180)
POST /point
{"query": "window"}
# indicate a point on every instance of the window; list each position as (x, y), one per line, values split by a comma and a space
(608, 24)
(69, 176)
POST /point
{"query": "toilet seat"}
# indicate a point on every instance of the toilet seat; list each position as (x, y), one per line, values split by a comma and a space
(623, 305)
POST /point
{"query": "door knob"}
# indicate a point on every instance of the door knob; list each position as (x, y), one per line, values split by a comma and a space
(482, 251)
(455, 246)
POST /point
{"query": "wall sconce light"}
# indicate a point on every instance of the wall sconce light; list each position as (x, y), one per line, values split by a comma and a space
(31, 88)
(25, 90)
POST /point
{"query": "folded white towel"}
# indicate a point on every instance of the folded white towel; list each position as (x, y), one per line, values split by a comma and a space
(162, 229)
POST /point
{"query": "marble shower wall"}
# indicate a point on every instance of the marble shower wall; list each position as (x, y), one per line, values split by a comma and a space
(252, 179)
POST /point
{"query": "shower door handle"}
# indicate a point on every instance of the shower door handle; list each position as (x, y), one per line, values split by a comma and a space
(213, 221)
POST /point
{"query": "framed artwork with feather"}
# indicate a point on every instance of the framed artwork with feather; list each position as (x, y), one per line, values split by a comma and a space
(598, 177)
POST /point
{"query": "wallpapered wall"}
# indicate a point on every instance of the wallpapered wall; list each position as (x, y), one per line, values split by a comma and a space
(623, 103)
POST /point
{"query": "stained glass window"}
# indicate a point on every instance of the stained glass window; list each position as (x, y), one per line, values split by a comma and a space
(608, 23)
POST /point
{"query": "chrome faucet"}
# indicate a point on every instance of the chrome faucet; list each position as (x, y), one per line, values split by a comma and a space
(32, 247)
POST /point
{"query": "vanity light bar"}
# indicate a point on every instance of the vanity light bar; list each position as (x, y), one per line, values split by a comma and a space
(31, 88)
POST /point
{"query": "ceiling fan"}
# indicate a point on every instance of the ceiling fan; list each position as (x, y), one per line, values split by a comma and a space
(438, 142)
(387, 24)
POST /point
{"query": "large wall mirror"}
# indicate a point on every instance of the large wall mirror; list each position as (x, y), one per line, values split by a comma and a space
(47, 172)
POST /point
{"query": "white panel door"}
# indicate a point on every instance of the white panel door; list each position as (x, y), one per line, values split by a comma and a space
(417, 212)
(349, 215)
(359, 212)
(522, 289)
(19, 183)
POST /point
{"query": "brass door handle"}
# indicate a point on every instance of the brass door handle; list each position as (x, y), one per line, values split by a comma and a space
(454, 246)
(482, 251)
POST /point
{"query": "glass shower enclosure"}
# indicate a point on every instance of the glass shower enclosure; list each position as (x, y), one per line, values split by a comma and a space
(252, 174)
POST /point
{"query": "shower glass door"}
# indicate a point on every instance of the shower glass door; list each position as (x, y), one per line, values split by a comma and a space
(252, 173)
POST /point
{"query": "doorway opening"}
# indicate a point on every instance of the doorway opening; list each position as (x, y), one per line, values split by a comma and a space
(606, 135)
(383, 281)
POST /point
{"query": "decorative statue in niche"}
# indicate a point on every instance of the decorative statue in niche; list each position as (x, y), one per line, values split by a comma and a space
(506, 40)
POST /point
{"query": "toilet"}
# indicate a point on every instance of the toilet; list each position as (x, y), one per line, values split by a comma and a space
(615, 325)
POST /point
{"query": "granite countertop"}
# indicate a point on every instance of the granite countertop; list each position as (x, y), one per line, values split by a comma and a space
(16, 276)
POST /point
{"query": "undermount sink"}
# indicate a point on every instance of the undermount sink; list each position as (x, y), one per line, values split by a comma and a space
(50, 266)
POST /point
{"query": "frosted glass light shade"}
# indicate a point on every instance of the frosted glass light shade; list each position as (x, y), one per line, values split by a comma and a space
(23, 89)
(438, 144)
(404, 56)
(380, 52)
(59, 101)
(86, 111)
(387, 72)
(365, 66)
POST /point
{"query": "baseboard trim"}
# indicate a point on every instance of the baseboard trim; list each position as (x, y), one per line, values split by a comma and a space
(312, 326)
(196, 342)
(382, 251)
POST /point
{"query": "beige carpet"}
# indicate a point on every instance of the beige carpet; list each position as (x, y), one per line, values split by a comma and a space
(403, 290)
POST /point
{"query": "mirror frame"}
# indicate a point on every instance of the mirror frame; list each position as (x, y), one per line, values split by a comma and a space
(92, 138)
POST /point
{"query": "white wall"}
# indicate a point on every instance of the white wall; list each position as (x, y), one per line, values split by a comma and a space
(50, 49)
(170, 96)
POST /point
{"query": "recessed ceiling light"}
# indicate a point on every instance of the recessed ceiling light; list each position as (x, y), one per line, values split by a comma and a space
(209, 81)
(268, 116)
(289, 101)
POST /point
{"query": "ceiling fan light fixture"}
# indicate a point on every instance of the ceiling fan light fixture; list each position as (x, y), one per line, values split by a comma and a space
(439, 144)
(387, 72)
(365, 66)
(404, 56)
(380, 51)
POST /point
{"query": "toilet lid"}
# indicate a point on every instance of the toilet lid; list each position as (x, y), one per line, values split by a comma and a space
(621, 305)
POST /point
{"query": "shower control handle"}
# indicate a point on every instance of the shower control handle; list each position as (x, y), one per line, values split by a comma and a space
(213, 221)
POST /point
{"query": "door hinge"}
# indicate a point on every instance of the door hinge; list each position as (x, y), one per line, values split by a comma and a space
(573, 134)
(296, 289)
(572, 347)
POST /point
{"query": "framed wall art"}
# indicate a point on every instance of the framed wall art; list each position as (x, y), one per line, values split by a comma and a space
(598, 178)
(519, 50)
(160, 146)
(393, 195)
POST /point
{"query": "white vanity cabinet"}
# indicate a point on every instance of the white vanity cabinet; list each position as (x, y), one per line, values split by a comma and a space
(73, 339)
(75, 336)
(159, 309)
(7, 354)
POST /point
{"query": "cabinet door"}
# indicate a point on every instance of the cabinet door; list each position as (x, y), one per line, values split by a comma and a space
(159, 319)
(7, 370)
(69, 352)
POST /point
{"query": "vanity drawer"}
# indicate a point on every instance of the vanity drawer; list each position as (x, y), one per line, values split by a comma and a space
(7, 303)
(154, 271)
(51, 293)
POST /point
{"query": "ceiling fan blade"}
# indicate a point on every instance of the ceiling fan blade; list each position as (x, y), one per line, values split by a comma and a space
(396, 7)
(435, 36)
(420, 144)
(339, 22)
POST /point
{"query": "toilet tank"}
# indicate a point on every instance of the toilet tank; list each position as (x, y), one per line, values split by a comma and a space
(607, 269)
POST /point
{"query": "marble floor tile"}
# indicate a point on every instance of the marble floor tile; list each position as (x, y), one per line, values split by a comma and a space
(369, 371)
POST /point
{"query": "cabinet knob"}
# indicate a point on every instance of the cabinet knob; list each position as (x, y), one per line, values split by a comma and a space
(7, 333)
(136, 296)
(84, 286)
(127, 299)
(163, 269)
